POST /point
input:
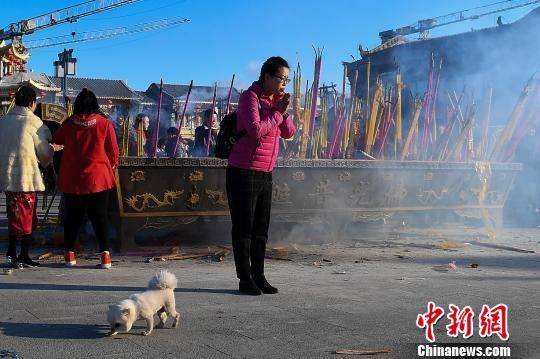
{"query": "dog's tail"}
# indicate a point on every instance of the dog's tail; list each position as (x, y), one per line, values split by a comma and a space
(163, 280)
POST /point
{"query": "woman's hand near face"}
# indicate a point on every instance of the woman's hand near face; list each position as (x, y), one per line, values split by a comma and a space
(283, 103)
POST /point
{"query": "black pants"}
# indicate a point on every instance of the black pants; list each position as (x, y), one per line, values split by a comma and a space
(96, 205)
(250, 200)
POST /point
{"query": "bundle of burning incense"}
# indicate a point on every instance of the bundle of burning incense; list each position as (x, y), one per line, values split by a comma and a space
(209, 137)
(368, 89)
(508, 131)
(427, 107)
(306, 124)
(297, 90)
(156, 139)
(374, 118)
(389, 112)
(455, 153)
(430, 124)
(316, 77)
(323, 129)
(349, 117)
(227, 108)
(418, 104)
(338, 126)
(183, 116)
(445, 137)
(399, 87)
(526, 124)
(140, 140)
(125, 136)
(355, 129)
(483, 146)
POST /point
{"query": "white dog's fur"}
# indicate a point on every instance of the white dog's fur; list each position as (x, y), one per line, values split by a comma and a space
(157, 299)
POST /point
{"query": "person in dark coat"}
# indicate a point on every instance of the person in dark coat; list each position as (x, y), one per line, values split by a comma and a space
(201, 135)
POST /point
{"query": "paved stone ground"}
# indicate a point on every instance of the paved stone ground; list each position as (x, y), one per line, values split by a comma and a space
(363, 293)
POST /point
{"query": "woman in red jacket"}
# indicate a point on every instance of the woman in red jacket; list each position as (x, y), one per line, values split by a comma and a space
(86, 172)
(262, 112)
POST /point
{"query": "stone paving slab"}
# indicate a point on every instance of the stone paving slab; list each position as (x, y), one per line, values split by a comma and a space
(332, 296)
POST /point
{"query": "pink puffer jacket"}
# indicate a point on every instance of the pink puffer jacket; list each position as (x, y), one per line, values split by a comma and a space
(258, 149)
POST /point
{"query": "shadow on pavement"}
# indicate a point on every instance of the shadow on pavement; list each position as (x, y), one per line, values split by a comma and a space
(106, 288)
(53, 331)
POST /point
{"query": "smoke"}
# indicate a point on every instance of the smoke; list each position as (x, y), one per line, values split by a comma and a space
(503, 59)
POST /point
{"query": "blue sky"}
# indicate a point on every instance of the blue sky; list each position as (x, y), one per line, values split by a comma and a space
(226, 37)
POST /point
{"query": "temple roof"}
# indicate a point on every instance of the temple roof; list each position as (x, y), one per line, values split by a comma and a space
(145, 99)
(102, 88)
(5, 48)
(198, 93)
(41, 82)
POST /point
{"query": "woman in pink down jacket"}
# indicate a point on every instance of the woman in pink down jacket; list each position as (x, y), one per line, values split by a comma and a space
(262, 112)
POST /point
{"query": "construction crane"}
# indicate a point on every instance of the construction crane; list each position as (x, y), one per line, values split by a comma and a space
(18, 50)
(68, 14)
(423, 26)
(103, 34)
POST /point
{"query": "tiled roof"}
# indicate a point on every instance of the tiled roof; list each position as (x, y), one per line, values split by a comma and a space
(103, 88)
(198, 93)
(40, 81)
(145, 99)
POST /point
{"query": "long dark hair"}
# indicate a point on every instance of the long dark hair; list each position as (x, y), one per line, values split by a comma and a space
(271, 66)
(25, 96)
(86, 103)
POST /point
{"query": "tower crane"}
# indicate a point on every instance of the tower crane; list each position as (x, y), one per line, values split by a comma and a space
(423, 26)
(18, 50)
(68, 14)
(103, 34)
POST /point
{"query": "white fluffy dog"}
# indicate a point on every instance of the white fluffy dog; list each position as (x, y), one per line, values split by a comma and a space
(157, 299)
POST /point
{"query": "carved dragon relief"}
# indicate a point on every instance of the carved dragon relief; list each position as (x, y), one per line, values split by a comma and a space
(196, 176)
(194, 199)
(137, 176)
(216, 197)
(322, 192)
(345, 176)
(281, 194)
(298, 176)
(431, 196)
(149, 200)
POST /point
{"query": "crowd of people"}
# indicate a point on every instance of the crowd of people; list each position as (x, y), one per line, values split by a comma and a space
(90, 143)
(170, 145)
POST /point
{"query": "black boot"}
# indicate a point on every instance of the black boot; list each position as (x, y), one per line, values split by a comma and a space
(24, 258)
(265, 287)
(11, 254)
(243, 272)
(257, 253)
(248, 286)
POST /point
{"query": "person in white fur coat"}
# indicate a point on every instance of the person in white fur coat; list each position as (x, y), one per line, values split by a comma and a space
(24, 142)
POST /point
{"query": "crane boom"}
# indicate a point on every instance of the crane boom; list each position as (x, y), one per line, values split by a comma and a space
(67, 14)
(452, 18)
(103, 34)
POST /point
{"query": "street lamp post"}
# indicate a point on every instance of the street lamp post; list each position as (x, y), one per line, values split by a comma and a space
(64, 67)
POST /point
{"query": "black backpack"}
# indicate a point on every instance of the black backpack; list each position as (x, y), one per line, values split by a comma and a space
(227, 137)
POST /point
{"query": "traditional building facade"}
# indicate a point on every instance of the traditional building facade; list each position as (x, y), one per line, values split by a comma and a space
(13, 58)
